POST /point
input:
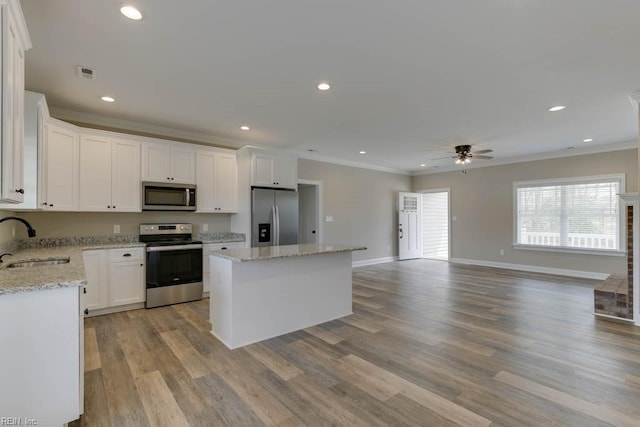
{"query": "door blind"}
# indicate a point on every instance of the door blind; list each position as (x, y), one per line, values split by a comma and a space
(435, 225)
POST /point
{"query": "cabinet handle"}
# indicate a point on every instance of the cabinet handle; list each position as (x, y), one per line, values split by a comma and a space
(44, 203)
(86, 311)
(127, 255)
(224, 248)
(51, 204)
(113, 207)
(84, 290)
(21, 191)
(108, 207)
(141, 265)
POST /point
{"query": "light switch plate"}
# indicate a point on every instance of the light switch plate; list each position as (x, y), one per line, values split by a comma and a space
(205, 227)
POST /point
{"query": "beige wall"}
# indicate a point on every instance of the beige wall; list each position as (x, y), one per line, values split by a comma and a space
(362, 203)
(482, 201)
(75, 224)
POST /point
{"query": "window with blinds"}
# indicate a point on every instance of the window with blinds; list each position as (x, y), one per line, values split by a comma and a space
(582, 213)
(435, 225)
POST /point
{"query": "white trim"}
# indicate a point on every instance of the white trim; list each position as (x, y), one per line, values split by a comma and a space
(21, 23)
(533, 268)
(567, 181)
(578, 151)
(613, 318)
(569, 250)
(326, 159)
(373, 261)
(319, 205)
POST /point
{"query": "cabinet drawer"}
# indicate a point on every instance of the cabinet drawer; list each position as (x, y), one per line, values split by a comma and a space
(126, 255)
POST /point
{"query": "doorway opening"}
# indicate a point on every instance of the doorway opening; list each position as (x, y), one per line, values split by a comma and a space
(435, 224)
(310, 212)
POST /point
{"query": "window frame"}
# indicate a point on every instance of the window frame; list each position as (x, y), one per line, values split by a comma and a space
(621, 178)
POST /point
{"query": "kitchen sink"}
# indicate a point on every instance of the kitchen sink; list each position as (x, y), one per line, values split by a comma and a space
(38, 262)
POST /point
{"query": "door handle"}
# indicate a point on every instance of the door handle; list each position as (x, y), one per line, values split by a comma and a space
(401, 233)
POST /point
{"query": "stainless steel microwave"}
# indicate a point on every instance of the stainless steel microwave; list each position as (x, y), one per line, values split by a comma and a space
(160, 196)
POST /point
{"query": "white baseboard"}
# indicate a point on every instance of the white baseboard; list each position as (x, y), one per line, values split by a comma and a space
(533, 268)
(373, 261)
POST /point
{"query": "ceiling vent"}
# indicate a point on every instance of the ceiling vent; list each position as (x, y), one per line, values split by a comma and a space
(86, 73)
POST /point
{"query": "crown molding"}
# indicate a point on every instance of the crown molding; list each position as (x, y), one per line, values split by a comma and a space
(145, 128)
(326, 159)
(594, 149)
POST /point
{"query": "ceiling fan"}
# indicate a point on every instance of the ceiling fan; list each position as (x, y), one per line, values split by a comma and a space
(464, 155)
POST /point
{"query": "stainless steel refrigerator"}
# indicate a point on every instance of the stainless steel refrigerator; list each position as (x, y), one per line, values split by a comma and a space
(274, 217)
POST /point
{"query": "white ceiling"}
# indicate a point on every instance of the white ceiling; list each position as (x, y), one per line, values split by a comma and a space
(410, 78)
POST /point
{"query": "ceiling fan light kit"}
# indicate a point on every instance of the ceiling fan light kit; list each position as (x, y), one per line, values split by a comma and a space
(464, 155)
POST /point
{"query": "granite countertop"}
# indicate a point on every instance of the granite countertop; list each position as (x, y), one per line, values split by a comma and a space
(72, 274)
(273, 252)
(207, 237)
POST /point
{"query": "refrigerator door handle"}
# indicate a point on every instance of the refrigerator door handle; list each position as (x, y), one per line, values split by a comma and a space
(274, 225)
(277, 221)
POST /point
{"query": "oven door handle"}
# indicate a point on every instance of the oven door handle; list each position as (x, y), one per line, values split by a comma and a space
(172, 248)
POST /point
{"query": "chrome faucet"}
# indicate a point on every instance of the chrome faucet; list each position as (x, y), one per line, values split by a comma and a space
(30, 231)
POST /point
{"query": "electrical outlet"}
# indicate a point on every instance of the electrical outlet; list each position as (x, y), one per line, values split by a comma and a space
(388, 248)
(205, 227)
(116, 229)
(501, 251)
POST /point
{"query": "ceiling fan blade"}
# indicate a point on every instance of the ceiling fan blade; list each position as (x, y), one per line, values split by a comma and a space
(488, 150)
(448, 157)
(482, 157)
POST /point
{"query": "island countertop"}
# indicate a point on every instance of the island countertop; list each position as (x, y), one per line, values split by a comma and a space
(287, 251)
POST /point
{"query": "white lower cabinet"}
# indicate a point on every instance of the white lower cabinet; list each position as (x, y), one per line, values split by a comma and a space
(115, 277)
(207, 248)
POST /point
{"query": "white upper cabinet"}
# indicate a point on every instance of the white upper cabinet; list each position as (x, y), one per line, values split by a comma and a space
(15, 41)
(168, 162)
(60, 167)
(217, 181)
(109, 174)
(274, 169)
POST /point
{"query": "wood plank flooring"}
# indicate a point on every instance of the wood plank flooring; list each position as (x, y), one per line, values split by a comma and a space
(429, 343)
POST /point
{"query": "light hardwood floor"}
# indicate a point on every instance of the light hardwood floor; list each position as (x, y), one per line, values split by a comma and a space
(429, 343)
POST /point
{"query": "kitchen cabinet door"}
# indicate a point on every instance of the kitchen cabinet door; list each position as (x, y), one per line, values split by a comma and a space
(96, 269)
(60, 164)
(226, 183)
(126, 283)
(183, 166)
(275, 170)
(287, 172)
(168, 162)
(217, 181)
(125, 176)
(12, 117)
(95, 173)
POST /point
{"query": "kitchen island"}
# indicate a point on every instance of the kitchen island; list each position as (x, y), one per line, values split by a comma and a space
(260, 293)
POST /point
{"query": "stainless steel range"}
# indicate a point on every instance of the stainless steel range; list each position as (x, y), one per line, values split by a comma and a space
(174, 264)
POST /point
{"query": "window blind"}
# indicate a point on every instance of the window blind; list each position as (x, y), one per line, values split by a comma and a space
(435, 225)
(582, 215)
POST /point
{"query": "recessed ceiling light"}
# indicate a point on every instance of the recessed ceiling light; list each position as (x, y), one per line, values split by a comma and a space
(588, 140)
(245, 127)
(363, 152)
(131, 12)
(108, 99)
(324, 86)
(423, 165)
(557, 108)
